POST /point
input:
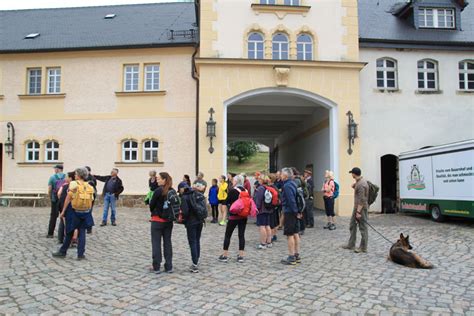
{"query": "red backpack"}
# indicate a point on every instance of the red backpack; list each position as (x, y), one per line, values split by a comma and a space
(275, 196)
(244, 206)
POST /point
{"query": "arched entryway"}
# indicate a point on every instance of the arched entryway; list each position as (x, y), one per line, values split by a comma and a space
(300, 127)
(389, 181)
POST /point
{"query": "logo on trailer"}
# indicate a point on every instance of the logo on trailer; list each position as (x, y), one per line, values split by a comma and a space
(416, 181)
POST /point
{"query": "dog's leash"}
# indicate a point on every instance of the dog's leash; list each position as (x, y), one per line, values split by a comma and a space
(377, 231)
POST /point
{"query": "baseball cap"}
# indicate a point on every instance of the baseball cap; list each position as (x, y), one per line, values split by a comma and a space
(356, 171)
(183, 185)
(60, 167)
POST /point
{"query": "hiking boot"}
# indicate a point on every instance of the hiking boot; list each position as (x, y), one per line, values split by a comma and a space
(327, 226)
(151, 270)
(223, 258)
(270, 245)
(59, 254)
(79, 258)
(347, 247)
(114, 224)
(360, 250)
(290, 261)
(332, 227)
(194, 268)
(297, 258)
(240, 259)
(261, 246)
(103, 224)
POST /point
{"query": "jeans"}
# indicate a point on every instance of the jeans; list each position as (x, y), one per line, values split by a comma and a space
(81, 242)
(161, 231)
(229, 230)
(308, 213)
(53, 217)
(194, 239)
(364, 232)
(109, 200)
(61, 230)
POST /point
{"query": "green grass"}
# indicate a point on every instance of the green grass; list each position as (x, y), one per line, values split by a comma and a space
(259, 162)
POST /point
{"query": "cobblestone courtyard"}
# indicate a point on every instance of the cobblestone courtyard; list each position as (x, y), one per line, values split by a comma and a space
(114, 278)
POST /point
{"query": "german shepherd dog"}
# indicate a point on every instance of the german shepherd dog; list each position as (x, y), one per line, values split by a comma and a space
(400, 253)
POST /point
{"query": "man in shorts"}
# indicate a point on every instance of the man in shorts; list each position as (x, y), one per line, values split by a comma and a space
(291, 225)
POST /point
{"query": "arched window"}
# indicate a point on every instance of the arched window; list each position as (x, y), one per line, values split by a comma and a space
(466, 75)
(150, 151)
(255, 46)
(51, 151)
(280, 46)
(32, 150)
(427, 75)
(304, 47)
(130, 151)
(387, 74)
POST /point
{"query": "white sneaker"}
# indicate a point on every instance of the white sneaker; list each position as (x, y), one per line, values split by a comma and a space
(270, 245)
(260, 246)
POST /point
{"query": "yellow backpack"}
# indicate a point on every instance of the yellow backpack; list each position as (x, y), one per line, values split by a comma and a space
(83, 196)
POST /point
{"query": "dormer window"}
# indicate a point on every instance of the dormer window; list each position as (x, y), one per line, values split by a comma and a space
(441, 18)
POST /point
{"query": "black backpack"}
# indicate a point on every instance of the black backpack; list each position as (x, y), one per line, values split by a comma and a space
(300, 200)
(171, 207)
(199, 205)
(373, 193)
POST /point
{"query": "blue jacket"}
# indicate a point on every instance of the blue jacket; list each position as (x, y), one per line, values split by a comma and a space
(213, 195)
(288, 197)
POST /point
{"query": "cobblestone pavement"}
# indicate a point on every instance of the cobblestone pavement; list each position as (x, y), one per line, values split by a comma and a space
(114, 278)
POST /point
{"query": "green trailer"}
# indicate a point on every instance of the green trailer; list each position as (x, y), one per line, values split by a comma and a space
(438, 180)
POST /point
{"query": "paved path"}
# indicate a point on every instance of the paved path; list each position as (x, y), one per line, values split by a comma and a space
(114, 278)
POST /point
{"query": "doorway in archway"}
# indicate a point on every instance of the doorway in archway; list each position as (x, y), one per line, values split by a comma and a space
(389, 172)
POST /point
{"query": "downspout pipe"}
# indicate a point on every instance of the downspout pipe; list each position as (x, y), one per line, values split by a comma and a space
(194, 75)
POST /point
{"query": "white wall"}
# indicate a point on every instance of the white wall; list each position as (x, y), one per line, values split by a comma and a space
(236, 16)
(392, 123)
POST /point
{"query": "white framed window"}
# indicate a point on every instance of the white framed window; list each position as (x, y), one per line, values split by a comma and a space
(466, 75)
(129, 151)
(51, 151)
(427, 75)
(304, 47)
(54, 80)
(152, 77)
(267, 1)
(280, 46)
(150, 151)
(34, 81)
(292, 2)
(255, 46)
(387, 77)
(436, 18)
(32, 151)
(130, 77)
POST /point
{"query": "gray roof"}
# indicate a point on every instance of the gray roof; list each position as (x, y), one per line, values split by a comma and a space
(378, 27)
(142, 25)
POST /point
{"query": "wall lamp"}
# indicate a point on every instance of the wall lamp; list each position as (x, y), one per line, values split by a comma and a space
(211, 128)
(352, 131)
(10, 143)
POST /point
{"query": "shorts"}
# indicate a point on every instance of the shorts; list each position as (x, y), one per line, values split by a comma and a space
(275, 218)
(329, 206)
(223, 202)
(263, 219)
(291, 224)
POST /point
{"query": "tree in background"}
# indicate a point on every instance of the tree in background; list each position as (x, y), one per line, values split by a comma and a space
(242, 150)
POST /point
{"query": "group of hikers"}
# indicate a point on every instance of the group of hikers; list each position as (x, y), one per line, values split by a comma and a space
(279, 201)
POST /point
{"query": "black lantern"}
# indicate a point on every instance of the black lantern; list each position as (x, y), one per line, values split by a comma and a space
(10, 143)
(352, 131)
(211, 128)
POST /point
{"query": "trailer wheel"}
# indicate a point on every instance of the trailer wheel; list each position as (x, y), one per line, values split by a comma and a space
(436, 215)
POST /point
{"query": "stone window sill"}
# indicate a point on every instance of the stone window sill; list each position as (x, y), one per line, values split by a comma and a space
(139, 164)
(280, 10)
(428, 91)
(381, 90)
(39, 164)
(42, 96)
(464, 92)
(139, 93)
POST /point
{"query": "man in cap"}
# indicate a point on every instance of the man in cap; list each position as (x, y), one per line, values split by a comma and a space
(359, 213)
(54, 183)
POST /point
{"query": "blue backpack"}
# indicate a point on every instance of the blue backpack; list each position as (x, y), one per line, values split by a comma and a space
(336, 190)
